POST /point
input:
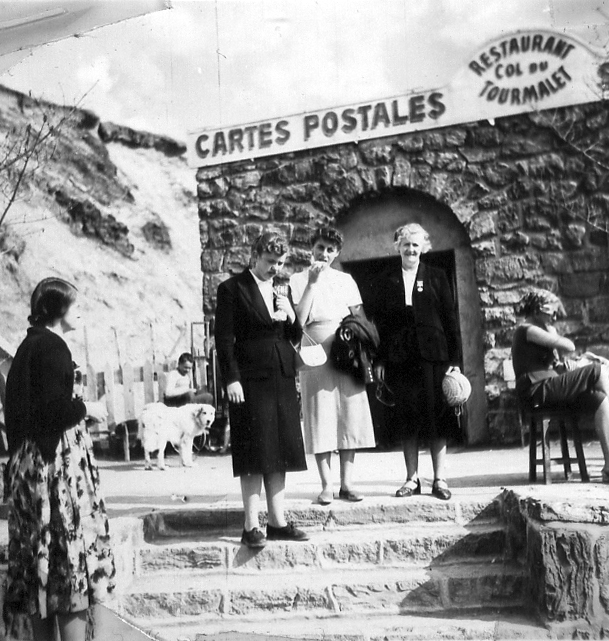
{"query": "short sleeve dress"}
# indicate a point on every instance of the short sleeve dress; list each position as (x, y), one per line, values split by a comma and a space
(335, 406)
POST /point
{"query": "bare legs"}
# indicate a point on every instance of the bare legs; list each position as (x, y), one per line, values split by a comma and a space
(72, 627)
(251, 487)
(411, 458)
(324, 465)
(601, 419)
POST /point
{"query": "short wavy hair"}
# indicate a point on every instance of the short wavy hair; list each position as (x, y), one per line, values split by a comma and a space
(330, 235)
(411, 229)
(534, 300)
(50, 301)
(270, 242)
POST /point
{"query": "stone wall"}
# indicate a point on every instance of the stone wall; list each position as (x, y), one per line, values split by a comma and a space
(564, 542)
(531, 191)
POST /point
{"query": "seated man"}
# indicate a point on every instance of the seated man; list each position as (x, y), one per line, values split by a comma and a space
(179, 388)
(544, 380)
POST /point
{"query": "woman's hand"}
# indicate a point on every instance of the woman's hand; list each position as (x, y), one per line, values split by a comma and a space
(315, 270)
(234, 391)
(96, 411)
(283, 305)
(379, 371)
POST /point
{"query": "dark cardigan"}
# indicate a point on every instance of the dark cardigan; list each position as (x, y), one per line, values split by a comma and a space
(39, 388)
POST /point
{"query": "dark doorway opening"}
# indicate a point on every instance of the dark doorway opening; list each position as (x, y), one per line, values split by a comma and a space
(365, 272)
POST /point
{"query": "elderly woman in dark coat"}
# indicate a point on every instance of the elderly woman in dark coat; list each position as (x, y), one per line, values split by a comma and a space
(416, 319)
(258, 369)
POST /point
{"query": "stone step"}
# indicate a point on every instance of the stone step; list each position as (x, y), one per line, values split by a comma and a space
(486, 624)
(441, 543)
(386, 590)
(418, 509)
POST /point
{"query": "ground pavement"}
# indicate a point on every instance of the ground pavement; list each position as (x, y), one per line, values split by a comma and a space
(472, 472)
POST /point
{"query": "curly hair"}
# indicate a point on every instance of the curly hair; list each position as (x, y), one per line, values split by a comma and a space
(330, 235)
(534, 300)
(50, 301)
(411, 229)
(270, 242)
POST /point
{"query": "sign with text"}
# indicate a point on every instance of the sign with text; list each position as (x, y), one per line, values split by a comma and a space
(519, 73)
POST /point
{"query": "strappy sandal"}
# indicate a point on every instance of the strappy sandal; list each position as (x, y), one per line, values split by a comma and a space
(410, 488)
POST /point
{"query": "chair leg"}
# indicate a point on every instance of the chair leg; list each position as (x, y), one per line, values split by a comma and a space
(545, 446)
(564, 446)
(532, 451)
(579, 451)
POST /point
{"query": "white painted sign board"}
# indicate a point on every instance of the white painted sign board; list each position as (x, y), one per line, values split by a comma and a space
(518, 73)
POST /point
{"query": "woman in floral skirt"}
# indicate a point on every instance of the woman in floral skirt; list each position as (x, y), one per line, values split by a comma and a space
(60, 560)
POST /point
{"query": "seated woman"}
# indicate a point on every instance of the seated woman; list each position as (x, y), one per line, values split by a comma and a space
(542, 380)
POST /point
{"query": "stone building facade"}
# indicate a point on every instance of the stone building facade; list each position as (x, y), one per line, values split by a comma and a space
(523, 200)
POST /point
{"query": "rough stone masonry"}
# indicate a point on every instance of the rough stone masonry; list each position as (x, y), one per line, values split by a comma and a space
(531, 191)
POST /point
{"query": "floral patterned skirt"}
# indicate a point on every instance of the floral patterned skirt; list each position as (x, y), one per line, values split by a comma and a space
(60, 560)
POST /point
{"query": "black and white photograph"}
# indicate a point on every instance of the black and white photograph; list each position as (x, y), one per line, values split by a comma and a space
(304, 320)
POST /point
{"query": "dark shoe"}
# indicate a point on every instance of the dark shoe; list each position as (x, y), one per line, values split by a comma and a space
(349, 495)
(254, 539)
(406, 490)
(442, 493)
(287, 533)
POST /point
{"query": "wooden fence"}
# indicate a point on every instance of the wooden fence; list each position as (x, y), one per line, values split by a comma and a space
(125, 391)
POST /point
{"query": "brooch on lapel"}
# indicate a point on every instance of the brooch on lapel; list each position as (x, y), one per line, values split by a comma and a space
(419, 285)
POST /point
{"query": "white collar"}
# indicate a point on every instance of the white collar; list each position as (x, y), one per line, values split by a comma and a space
(262, 283)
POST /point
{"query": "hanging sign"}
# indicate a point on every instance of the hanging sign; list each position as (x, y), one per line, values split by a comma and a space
(523, 72)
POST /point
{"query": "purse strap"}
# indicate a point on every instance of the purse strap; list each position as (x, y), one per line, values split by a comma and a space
(297, 347)
(309, 337)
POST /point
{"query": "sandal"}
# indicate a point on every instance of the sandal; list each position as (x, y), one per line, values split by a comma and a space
(410, 488)
(440, 489)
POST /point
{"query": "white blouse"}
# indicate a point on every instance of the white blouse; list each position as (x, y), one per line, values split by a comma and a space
(409, 276)
(334, 293)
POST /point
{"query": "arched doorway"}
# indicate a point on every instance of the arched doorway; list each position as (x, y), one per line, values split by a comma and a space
(368, 228)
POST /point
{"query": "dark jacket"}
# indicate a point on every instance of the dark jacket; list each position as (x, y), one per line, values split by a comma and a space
(249, 343)
(354, 347)
(39, 388)
(434, 312)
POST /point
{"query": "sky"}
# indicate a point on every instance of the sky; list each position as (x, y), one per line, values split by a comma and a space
(212, 63)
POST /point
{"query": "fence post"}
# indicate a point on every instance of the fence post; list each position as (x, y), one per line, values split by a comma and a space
(129, 405)
(148, 376)
(109, 389)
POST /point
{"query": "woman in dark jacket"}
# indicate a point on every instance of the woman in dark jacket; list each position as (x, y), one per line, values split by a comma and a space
(414, 312)
(59, 555)
(255, 327)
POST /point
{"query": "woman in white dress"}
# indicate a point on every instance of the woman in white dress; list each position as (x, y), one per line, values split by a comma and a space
(335, 405)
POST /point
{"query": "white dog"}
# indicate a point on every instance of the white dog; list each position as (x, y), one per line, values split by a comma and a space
(159, 425)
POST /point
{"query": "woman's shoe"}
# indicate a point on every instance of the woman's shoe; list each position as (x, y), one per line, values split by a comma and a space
(286, 533)
(326, 497)
(442, 493)
(254, 539)
(349, 495)
(409, 488)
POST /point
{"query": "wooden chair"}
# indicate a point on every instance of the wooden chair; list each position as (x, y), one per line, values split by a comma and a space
(538, 420)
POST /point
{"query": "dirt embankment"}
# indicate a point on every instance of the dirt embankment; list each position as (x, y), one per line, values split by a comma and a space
(112, 210)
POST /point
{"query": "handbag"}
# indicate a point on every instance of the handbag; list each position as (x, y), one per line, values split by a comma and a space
(309, 356)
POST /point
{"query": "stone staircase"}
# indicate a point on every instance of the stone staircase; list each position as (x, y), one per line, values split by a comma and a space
(401, 569)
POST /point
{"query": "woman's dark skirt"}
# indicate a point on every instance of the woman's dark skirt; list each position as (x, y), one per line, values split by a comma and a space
(266, 436)
(420, 410)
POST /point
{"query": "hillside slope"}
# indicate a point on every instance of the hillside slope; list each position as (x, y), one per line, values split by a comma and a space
(113, 211)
